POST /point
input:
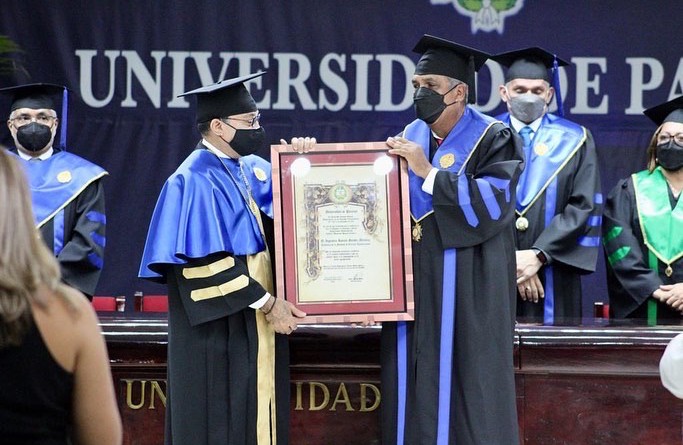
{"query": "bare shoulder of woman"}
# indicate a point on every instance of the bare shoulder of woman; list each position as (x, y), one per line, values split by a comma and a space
(57, 315)
(96, 415)
(95, 412)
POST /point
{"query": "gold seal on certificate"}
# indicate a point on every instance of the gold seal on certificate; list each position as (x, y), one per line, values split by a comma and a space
(522, 224)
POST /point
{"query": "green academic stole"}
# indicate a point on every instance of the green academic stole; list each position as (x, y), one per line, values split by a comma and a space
(658, 223)
(661, 226)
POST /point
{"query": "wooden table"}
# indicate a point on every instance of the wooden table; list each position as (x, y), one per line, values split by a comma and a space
(589, 384)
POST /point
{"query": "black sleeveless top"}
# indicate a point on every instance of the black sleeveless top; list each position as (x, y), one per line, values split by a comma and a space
(35, 394)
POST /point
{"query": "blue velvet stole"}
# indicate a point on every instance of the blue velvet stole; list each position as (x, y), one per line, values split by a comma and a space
(57, 181)
(451, 156)
(554, 144)
(203, 209)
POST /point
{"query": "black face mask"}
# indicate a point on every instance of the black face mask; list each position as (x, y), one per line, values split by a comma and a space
(670, 156)
(34, 136)
(429, 104)
(249, 141)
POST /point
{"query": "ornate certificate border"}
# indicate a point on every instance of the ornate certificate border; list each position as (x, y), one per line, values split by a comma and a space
(342, 232)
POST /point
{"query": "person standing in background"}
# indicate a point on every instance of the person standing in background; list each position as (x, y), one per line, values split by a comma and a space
(643, 230)
(559, 200)
(66, 190)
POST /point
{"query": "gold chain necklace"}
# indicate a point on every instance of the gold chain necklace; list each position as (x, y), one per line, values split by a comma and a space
(253, 207)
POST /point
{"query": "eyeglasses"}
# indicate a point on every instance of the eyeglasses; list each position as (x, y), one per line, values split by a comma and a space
(665, 138)
(24, 119)
(253, 121)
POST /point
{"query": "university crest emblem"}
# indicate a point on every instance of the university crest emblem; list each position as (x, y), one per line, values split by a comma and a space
(485, 15)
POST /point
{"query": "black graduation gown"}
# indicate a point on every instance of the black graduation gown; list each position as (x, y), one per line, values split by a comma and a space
(221, 351)
(630, 282)
(482, 398)
(578, 206)
(212, 363)
(78, 270)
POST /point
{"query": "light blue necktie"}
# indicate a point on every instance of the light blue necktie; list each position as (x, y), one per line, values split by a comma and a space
(525, 133)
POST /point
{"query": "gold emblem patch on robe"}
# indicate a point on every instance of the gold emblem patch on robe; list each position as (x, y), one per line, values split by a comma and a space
(64, 177)
(447, 160)
(260, 174)
(540, 149)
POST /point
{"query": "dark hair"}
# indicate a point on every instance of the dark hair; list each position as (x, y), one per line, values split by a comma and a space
(204, 127)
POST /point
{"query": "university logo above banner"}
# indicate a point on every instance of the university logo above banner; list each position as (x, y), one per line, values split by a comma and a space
(485, 15)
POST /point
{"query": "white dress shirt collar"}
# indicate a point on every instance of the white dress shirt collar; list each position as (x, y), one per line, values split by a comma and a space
(42, 157)
(518, 125)
(212, 148)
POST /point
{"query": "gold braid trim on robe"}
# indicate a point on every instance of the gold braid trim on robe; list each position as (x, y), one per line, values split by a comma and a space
(260, 270)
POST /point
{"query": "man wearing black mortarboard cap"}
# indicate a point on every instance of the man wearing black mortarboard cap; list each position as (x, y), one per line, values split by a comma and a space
(448, 376)
(66, 190)
(559, 200)
(228, 379)
(643, 228)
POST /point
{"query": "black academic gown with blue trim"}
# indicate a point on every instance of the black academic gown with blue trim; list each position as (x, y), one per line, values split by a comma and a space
(470, 216)
(76, 233)
(199, 241)
(565, 221)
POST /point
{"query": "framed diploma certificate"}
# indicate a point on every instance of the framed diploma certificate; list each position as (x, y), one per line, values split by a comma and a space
(342, 232)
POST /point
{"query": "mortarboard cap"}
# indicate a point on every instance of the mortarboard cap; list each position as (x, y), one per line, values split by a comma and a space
(671, 111)
(37, 96)
(446, 58)
(225, 98)
(33, 95)
(529, 63)
(533, 63)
